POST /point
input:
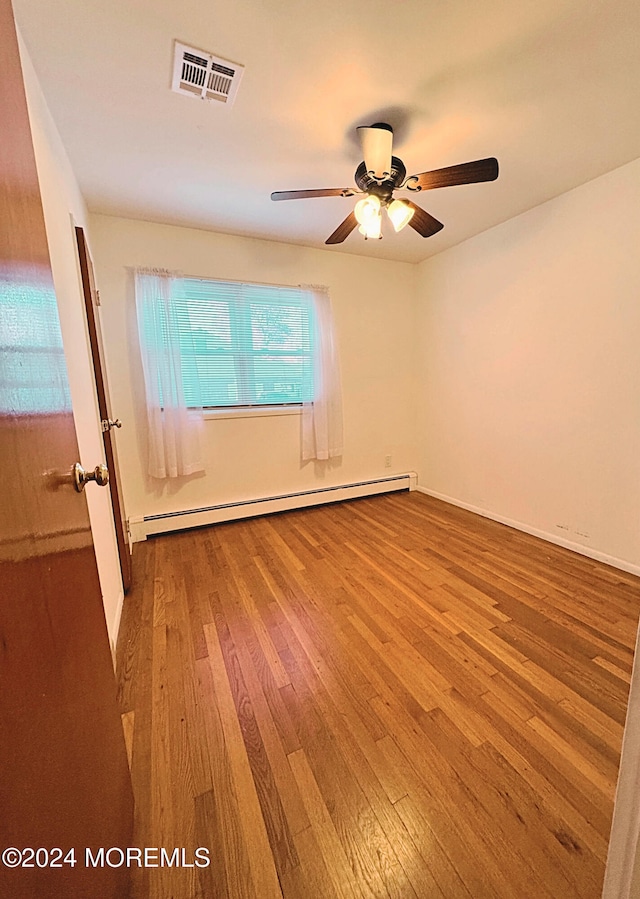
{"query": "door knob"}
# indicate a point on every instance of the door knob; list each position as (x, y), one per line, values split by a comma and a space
(108, 423)
(100, 475)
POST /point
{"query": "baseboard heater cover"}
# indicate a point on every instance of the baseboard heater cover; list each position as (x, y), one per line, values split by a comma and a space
(141, 528)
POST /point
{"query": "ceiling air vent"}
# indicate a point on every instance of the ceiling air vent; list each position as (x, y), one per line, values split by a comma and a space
(200, 74)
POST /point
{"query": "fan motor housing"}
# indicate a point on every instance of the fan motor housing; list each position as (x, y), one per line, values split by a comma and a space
(381, 189)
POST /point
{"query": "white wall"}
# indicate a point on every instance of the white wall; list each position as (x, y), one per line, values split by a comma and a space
(528, 395)
(63, 206)
(247, 458)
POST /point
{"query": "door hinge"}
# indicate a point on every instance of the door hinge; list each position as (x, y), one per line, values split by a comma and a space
(97, 297)
(107, 423)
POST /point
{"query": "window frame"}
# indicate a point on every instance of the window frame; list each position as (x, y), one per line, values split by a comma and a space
(240, 325)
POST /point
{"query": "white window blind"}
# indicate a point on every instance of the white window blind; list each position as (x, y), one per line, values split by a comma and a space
(245, 344)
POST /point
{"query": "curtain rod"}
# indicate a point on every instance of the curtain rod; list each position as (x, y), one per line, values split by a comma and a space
(299, 286)
(259, 283)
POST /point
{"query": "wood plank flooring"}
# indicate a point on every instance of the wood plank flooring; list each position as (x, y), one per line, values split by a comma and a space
(390, 697)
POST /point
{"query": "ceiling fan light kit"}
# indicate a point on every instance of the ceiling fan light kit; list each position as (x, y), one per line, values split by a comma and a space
(400, 213)
(368, 213)
(379, 174)
(373, 229)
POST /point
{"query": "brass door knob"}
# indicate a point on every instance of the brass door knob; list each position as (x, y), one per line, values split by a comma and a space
(100, 475)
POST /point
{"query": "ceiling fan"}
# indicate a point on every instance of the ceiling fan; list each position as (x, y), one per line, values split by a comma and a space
(379, 175)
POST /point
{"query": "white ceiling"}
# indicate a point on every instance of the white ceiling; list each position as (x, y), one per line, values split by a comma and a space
(550, 87)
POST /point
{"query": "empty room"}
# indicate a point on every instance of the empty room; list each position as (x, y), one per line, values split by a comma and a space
(320, 412)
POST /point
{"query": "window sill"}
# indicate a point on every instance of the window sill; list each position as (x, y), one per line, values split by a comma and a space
(255, 412)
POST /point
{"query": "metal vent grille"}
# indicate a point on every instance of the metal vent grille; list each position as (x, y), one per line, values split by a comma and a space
(200, 74)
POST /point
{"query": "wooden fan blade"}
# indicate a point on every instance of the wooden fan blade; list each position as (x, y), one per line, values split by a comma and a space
(466, 173)
(306, 194)
(343, 230)
(422, 222)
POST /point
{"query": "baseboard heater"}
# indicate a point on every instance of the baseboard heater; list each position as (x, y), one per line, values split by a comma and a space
(141, 528)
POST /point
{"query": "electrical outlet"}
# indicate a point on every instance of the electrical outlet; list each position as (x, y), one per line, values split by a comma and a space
(387, 461)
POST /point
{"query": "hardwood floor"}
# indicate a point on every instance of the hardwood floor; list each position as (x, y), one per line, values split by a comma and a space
(390, 697)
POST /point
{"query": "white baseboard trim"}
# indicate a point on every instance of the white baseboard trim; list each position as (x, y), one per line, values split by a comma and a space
(622, 564)
(146, 526)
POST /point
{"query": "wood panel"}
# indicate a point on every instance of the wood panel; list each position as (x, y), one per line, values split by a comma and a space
(389, 697)
(65, 781)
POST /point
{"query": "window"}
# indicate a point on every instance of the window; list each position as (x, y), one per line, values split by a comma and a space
(244, 344)
(220, 344)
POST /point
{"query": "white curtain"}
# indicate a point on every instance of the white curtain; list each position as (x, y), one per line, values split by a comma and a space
(322, 418)
(175, 429)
